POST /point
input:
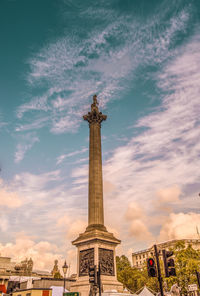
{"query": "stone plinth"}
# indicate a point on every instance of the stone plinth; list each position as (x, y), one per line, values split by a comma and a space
(96, 247)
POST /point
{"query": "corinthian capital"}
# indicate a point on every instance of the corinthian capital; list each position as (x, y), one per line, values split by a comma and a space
(94, 116)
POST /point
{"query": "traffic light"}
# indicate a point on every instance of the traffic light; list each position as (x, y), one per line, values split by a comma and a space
(99, 278)
(168, 263)
(93, 274)
(151, 267)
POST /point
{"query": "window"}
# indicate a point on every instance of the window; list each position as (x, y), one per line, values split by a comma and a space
(140, 256)
(136, 257)
(143, 255)
(137, 263)
(28, 294)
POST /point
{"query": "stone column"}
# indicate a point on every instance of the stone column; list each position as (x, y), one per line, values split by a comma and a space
(96, 246)
(95, 198)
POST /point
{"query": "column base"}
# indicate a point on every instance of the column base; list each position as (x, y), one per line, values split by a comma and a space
(100, 227)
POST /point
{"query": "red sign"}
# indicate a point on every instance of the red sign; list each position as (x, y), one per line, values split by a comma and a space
(3, 288)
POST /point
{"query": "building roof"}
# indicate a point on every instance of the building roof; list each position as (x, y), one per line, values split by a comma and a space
(192, 240)
(21, 279)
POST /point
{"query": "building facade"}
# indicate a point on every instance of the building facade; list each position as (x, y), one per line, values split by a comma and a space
(14, 272)
(139, 258)
(33, 292)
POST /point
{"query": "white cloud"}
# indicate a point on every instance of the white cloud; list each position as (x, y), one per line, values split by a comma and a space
(134, 212)
(37, 124)
(139, 231)
(180, 226)
(114, 231)
(75, 228)
(65, 64)
(9, 199)
(27, 142)
(31, 182)
(80, 172)
(162, 161)
(64, 124)
(166, 198)
(4, 224)
(72, 226)
(62, 157)
(43, 253)
(108, 187)
(71, 259)
(138, 222)
(171, 194)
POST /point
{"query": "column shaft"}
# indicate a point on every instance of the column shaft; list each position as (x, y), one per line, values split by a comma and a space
(95, 200)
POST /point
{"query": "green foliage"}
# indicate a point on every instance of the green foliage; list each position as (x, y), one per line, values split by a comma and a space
(133, 278)
(187, 261)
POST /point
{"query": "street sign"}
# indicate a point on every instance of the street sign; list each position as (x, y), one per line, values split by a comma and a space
(192, 287)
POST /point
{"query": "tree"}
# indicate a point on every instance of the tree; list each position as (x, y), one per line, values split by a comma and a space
(133, 278)
(187, 261)
(122, 262)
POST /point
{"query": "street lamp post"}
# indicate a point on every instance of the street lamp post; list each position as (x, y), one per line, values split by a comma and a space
(65, 267)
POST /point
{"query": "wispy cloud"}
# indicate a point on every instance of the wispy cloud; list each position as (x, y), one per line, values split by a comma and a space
(37, 124)
(27, 142)
(62, 157)
(163, 161)
(73, 69)
(33, 182)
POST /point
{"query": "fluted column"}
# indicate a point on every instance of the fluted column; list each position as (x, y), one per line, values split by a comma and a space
(95, 194)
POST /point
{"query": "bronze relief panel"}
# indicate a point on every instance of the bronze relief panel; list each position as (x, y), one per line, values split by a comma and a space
(86, 258)
(106, 261)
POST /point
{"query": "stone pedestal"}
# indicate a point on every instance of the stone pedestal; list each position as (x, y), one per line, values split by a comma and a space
(96, 247)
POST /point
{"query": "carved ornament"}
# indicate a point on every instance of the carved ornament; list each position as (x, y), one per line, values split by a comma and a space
(94, 116)
(86, 258)
(106, 261)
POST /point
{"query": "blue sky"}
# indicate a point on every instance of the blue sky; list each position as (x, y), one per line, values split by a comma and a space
(142, 59)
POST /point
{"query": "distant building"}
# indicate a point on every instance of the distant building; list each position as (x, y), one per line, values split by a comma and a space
(20, 277)
(139, 258)
(10, 269)
(33, 292)
(25, 267)
(25, 283)
(48, 282)
(6, 265)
